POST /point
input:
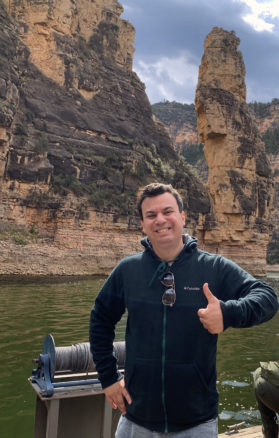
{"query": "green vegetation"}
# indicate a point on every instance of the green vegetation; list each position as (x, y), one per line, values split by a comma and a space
(102, 195)
(29, 115)
(96, 41)
(70, 182)
(33, 230)
(41, 144)
(107, 199)
(110, 164)
(19, 240)
(7, 50)
(260, 108)
(271, 141)
(83, 49)
(20, 130)
(153, 165)
(18, 235)
(119, 175)
(192, 153)
(169, 112)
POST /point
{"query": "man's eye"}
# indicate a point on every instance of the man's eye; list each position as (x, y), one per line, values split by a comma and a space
(151, 216)
(168, 212)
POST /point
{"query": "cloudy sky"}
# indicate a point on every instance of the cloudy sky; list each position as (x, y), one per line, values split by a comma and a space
(170, 36)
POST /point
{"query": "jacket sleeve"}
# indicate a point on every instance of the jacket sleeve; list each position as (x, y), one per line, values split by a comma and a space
(107, 311)
(245, 301)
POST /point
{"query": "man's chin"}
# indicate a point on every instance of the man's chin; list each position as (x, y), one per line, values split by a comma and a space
(167, 237)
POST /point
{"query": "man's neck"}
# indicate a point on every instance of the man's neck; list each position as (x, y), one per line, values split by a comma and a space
(168, 254)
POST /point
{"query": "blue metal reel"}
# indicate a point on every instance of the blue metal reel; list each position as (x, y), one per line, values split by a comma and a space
(76, 358)
(49, 349)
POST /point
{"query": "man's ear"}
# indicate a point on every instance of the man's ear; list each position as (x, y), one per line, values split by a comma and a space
(183, 215)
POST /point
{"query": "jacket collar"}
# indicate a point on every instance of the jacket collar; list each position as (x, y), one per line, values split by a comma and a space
(190, 243)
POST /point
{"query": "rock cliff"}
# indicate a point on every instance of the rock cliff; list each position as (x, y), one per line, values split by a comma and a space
(77, 139)
(239, 178)
(180, 122)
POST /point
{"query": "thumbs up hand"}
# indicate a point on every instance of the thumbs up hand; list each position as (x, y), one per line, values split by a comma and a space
(211, 317)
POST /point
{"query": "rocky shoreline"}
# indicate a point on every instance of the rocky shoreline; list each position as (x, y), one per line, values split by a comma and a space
(47, 260)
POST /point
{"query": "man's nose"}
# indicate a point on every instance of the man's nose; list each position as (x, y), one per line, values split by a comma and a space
(160, 218)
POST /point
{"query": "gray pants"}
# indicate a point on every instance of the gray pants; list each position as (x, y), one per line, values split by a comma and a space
(128, 429)
(267, 396)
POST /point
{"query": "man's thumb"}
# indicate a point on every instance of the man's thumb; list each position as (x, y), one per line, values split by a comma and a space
(207, 292)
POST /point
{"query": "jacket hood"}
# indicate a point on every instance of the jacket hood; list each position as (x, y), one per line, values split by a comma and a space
(190, 243)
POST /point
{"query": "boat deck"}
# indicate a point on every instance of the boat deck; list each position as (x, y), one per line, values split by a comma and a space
(246, 432)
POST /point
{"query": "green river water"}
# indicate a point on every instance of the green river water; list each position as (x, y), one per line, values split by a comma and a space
(32, 309)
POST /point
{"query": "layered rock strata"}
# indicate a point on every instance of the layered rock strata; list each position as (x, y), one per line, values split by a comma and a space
(239, 179)
(77, 139)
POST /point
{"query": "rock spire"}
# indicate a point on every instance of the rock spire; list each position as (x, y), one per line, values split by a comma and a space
(239, 179)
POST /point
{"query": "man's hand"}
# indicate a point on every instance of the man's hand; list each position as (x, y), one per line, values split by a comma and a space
(211, 317)
(115, 395)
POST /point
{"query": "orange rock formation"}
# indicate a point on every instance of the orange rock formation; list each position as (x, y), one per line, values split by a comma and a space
(239, 179)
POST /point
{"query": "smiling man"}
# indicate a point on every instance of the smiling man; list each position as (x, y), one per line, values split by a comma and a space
(163, 223)
(178, 299)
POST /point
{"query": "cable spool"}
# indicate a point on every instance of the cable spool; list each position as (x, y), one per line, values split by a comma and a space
(77, 358)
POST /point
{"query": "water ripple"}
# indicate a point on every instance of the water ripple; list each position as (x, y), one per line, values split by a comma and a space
(29, 311)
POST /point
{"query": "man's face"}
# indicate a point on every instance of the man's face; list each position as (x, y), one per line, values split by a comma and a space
(162, 221)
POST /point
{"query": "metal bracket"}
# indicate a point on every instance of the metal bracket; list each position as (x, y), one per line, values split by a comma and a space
(42, 375)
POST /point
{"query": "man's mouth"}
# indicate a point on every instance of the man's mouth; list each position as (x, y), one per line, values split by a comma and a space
(163, 230)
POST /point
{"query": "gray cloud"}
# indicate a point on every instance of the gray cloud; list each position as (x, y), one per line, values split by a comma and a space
(173, 32)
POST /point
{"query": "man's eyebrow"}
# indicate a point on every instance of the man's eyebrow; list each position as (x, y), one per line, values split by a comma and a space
(165, 208)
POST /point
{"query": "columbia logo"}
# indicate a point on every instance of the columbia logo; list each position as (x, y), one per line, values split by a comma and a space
(191, 288)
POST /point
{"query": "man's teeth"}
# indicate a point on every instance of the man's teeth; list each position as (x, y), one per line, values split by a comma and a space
(163, 230)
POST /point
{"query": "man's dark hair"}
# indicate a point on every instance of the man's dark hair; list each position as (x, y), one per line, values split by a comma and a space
(155, 189)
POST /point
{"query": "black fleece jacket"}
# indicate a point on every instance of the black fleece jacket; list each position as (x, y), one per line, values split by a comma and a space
(170, 367)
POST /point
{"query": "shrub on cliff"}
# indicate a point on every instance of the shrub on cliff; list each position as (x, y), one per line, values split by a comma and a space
(271, 141)
(192, 152)
(176, 112)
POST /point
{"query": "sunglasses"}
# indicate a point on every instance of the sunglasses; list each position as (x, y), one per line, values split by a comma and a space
(169, 296)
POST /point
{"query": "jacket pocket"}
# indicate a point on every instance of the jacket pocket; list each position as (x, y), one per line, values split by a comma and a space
(143, 381)
(186, 393)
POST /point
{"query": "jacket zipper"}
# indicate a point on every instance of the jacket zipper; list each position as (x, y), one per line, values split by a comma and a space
(163, 367)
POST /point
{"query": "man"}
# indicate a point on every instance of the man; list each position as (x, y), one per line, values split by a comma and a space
(172, 325)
